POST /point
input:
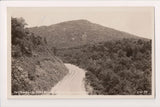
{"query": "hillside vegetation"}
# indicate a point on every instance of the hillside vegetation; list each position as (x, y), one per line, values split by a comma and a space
(35, 68)
(117, 63)
(77, 32)
(121, 67)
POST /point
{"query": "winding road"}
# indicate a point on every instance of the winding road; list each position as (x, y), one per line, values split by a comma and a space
(72, 83)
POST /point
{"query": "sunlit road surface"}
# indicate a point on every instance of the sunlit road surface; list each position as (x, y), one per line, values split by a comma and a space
(72, 83)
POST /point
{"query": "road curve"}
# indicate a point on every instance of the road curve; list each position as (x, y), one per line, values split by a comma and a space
(72, 83)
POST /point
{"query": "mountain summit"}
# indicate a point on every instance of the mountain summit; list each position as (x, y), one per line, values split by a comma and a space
(77, 32)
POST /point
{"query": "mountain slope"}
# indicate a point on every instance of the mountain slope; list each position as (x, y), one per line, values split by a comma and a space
(78, 32)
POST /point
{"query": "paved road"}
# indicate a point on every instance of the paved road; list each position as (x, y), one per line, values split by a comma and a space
(72, 83)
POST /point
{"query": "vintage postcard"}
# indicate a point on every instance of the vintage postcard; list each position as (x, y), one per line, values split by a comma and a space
(80, 52)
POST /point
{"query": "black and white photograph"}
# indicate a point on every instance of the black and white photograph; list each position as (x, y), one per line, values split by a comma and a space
(81, 52)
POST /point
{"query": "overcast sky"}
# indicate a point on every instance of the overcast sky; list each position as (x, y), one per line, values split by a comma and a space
(134, 20)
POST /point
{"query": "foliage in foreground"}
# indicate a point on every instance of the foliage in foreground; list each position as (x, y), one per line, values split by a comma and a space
(35, 68)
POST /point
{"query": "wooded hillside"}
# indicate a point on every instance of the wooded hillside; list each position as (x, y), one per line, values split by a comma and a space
(34, 66)
(120, 67)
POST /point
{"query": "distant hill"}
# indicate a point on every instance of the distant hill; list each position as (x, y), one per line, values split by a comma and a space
(77, 32)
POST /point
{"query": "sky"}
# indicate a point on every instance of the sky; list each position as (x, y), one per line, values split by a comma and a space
(135, 20)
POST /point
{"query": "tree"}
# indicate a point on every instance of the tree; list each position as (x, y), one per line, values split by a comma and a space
(54, 50)
(17, 29)
(45, 40)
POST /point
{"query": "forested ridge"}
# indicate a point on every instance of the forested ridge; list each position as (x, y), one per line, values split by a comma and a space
(121, 67)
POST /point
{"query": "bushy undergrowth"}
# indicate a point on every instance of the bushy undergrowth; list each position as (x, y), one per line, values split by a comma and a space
(120, 67)
(34, 66)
